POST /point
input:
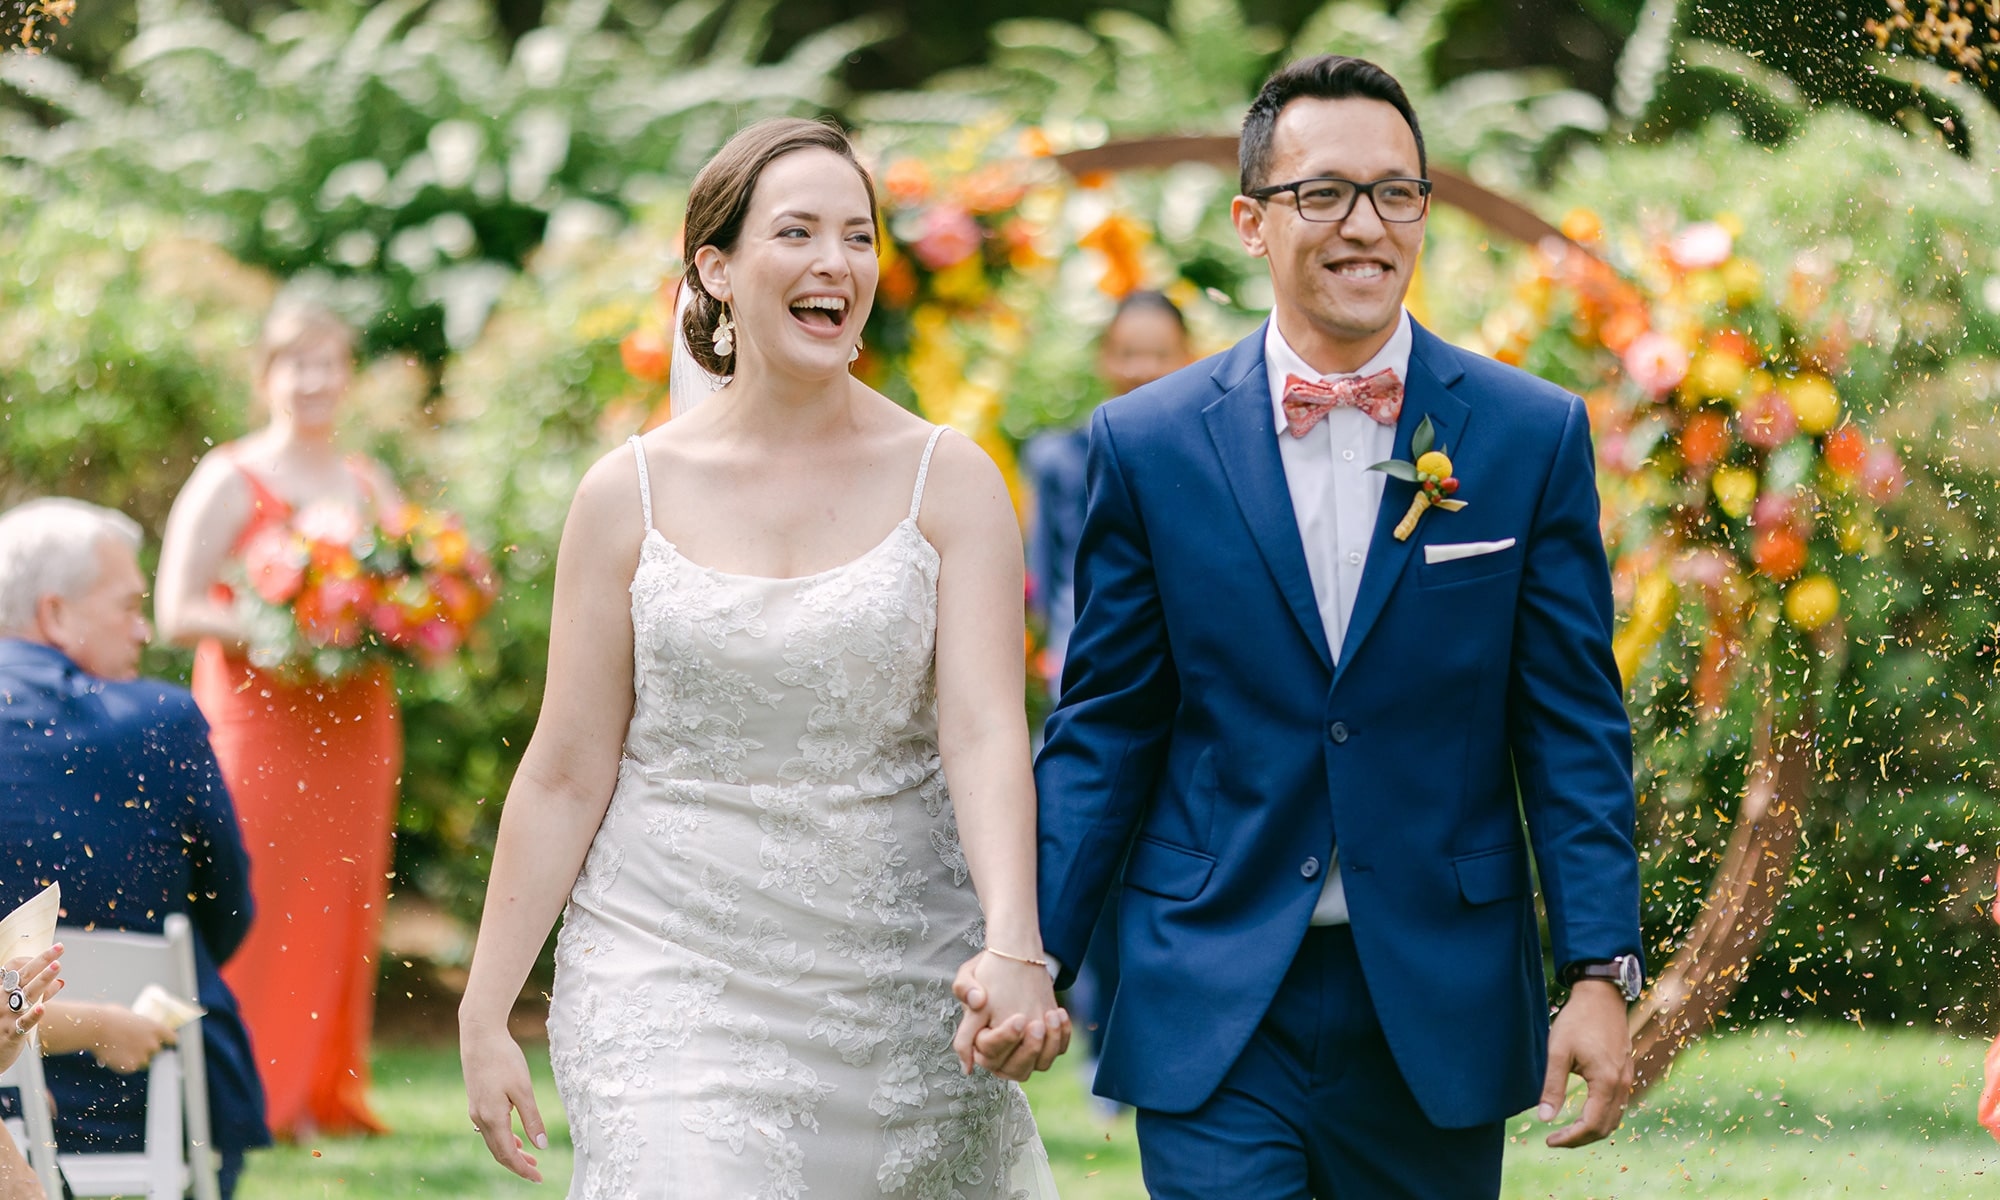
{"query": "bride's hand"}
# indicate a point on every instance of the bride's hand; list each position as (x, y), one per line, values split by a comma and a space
(1012, 1024)
(497, 1085)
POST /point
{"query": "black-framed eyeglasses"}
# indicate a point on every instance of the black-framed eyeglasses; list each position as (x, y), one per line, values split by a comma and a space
(1332, 199)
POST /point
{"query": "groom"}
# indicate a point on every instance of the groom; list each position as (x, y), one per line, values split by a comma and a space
(1321, 750)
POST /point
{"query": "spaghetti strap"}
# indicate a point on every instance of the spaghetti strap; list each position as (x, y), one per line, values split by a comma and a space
(923, 472)
(645, 481)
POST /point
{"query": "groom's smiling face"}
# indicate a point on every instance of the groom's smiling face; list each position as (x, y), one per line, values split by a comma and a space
(1339, 284)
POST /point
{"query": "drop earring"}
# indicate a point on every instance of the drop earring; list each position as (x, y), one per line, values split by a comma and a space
(724, 339)
(856, 352)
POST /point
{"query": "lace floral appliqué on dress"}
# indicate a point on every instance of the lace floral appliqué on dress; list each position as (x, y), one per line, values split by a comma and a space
(753, 979)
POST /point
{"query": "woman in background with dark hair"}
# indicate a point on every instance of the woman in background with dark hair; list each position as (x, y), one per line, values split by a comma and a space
(782, 621)
(1146, 339)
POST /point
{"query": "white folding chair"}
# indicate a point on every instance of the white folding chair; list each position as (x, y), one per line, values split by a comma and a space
(114, 968)
(33, 1131)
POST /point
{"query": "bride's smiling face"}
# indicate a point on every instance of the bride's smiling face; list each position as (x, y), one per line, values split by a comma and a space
(801, 278)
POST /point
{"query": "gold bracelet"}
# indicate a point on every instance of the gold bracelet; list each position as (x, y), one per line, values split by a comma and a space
(1033, 962)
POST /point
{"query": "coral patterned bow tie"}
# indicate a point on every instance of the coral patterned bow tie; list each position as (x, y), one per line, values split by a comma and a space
(1307, 401)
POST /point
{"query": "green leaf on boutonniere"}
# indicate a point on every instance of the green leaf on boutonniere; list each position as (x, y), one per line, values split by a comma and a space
(1421, 440)
(1396, 467)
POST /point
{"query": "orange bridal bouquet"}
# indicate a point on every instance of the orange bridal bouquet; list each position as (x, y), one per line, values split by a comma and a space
(328, 592)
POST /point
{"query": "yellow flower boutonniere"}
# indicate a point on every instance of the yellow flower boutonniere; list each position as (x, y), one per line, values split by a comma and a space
(1432, 475)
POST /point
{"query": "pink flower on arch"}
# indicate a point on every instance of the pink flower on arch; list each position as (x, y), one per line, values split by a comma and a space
(1882, 475)
(949, 237)
(1701, 245)
(1656, 363)
(1766, 421)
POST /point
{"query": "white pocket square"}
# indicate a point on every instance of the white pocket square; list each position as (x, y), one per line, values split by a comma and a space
(1456, 550)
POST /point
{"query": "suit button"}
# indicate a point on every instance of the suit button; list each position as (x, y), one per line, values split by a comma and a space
(1338, 732)
(1309, 868)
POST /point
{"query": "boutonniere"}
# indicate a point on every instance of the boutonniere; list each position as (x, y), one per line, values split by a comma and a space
(1432, 475)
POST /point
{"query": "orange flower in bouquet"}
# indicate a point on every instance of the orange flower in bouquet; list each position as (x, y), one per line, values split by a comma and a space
(328, 593)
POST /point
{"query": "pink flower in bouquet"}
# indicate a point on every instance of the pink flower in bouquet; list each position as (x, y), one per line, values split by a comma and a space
(1700, 246)
(1766, 421)
(949, 237)
(1656, 363)
(276, 563)
(332, 612)
(1882, 476)
(391, 622)
(437, 638)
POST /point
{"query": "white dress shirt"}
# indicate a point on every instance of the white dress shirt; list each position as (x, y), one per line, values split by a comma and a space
(1335, 498)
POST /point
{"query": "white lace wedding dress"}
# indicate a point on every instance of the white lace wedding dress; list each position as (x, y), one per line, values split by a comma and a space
(753, 978)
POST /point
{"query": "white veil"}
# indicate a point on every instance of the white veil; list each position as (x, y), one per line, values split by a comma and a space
(688, 382)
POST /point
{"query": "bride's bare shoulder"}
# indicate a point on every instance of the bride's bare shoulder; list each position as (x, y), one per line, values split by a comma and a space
(608, 502)
(965, 494)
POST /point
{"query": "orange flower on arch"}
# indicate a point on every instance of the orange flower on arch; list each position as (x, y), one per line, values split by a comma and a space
(1120, 240)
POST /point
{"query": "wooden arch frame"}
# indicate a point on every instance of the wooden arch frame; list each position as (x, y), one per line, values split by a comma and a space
(1749, 884)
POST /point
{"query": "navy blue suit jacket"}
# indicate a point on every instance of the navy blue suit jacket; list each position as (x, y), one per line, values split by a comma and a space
(111, 789)
(1205, 726)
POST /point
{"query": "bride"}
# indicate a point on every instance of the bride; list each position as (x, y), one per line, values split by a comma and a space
(782, 622)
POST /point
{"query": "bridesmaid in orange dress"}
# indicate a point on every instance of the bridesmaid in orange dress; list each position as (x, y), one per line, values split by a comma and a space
(313, 768)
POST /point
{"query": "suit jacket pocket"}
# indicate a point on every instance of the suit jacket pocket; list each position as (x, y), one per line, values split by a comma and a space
(1466, 568)
(1168, 870)
(1491, 875)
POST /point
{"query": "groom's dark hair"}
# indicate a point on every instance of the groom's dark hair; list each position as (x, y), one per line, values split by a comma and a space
(1328, 77)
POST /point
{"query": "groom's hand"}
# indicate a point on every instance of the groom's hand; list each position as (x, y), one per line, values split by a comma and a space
(1590, 1038)
(1020, 1045)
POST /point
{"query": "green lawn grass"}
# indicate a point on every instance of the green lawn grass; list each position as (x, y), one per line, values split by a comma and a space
(1781, 1111)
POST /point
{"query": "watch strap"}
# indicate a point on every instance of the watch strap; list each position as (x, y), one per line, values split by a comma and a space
(1621, 972)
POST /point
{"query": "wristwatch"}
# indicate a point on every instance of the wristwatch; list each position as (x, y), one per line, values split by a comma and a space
(1624, 971)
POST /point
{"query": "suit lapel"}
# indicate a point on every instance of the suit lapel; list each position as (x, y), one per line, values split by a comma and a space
(1244, 431)
(1426, 393)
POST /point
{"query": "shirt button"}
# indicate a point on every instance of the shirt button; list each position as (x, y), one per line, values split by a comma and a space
(1309, 868)
(1338, 732)
(1354, 557)
(1348, 455)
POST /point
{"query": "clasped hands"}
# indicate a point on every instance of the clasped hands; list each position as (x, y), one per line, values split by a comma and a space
(1012, 1025)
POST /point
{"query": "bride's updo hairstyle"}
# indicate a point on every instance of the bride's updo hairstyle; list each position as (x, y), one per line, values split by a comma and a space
(720, 199)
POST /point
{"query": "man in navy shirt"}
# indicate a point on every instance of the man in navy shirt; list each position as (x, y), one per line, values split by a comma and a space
(108, 786)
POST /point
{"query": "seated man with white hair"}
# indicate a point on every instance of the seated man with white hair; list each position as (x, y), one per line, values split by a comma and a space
(108, 786)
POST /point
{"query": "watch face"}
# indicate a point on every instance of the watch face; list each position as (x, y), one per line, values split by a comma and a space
(1631, 976)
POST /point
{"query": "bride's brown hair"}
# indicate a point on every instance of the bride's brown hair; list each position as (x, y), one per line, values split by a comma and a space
(720, 199)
